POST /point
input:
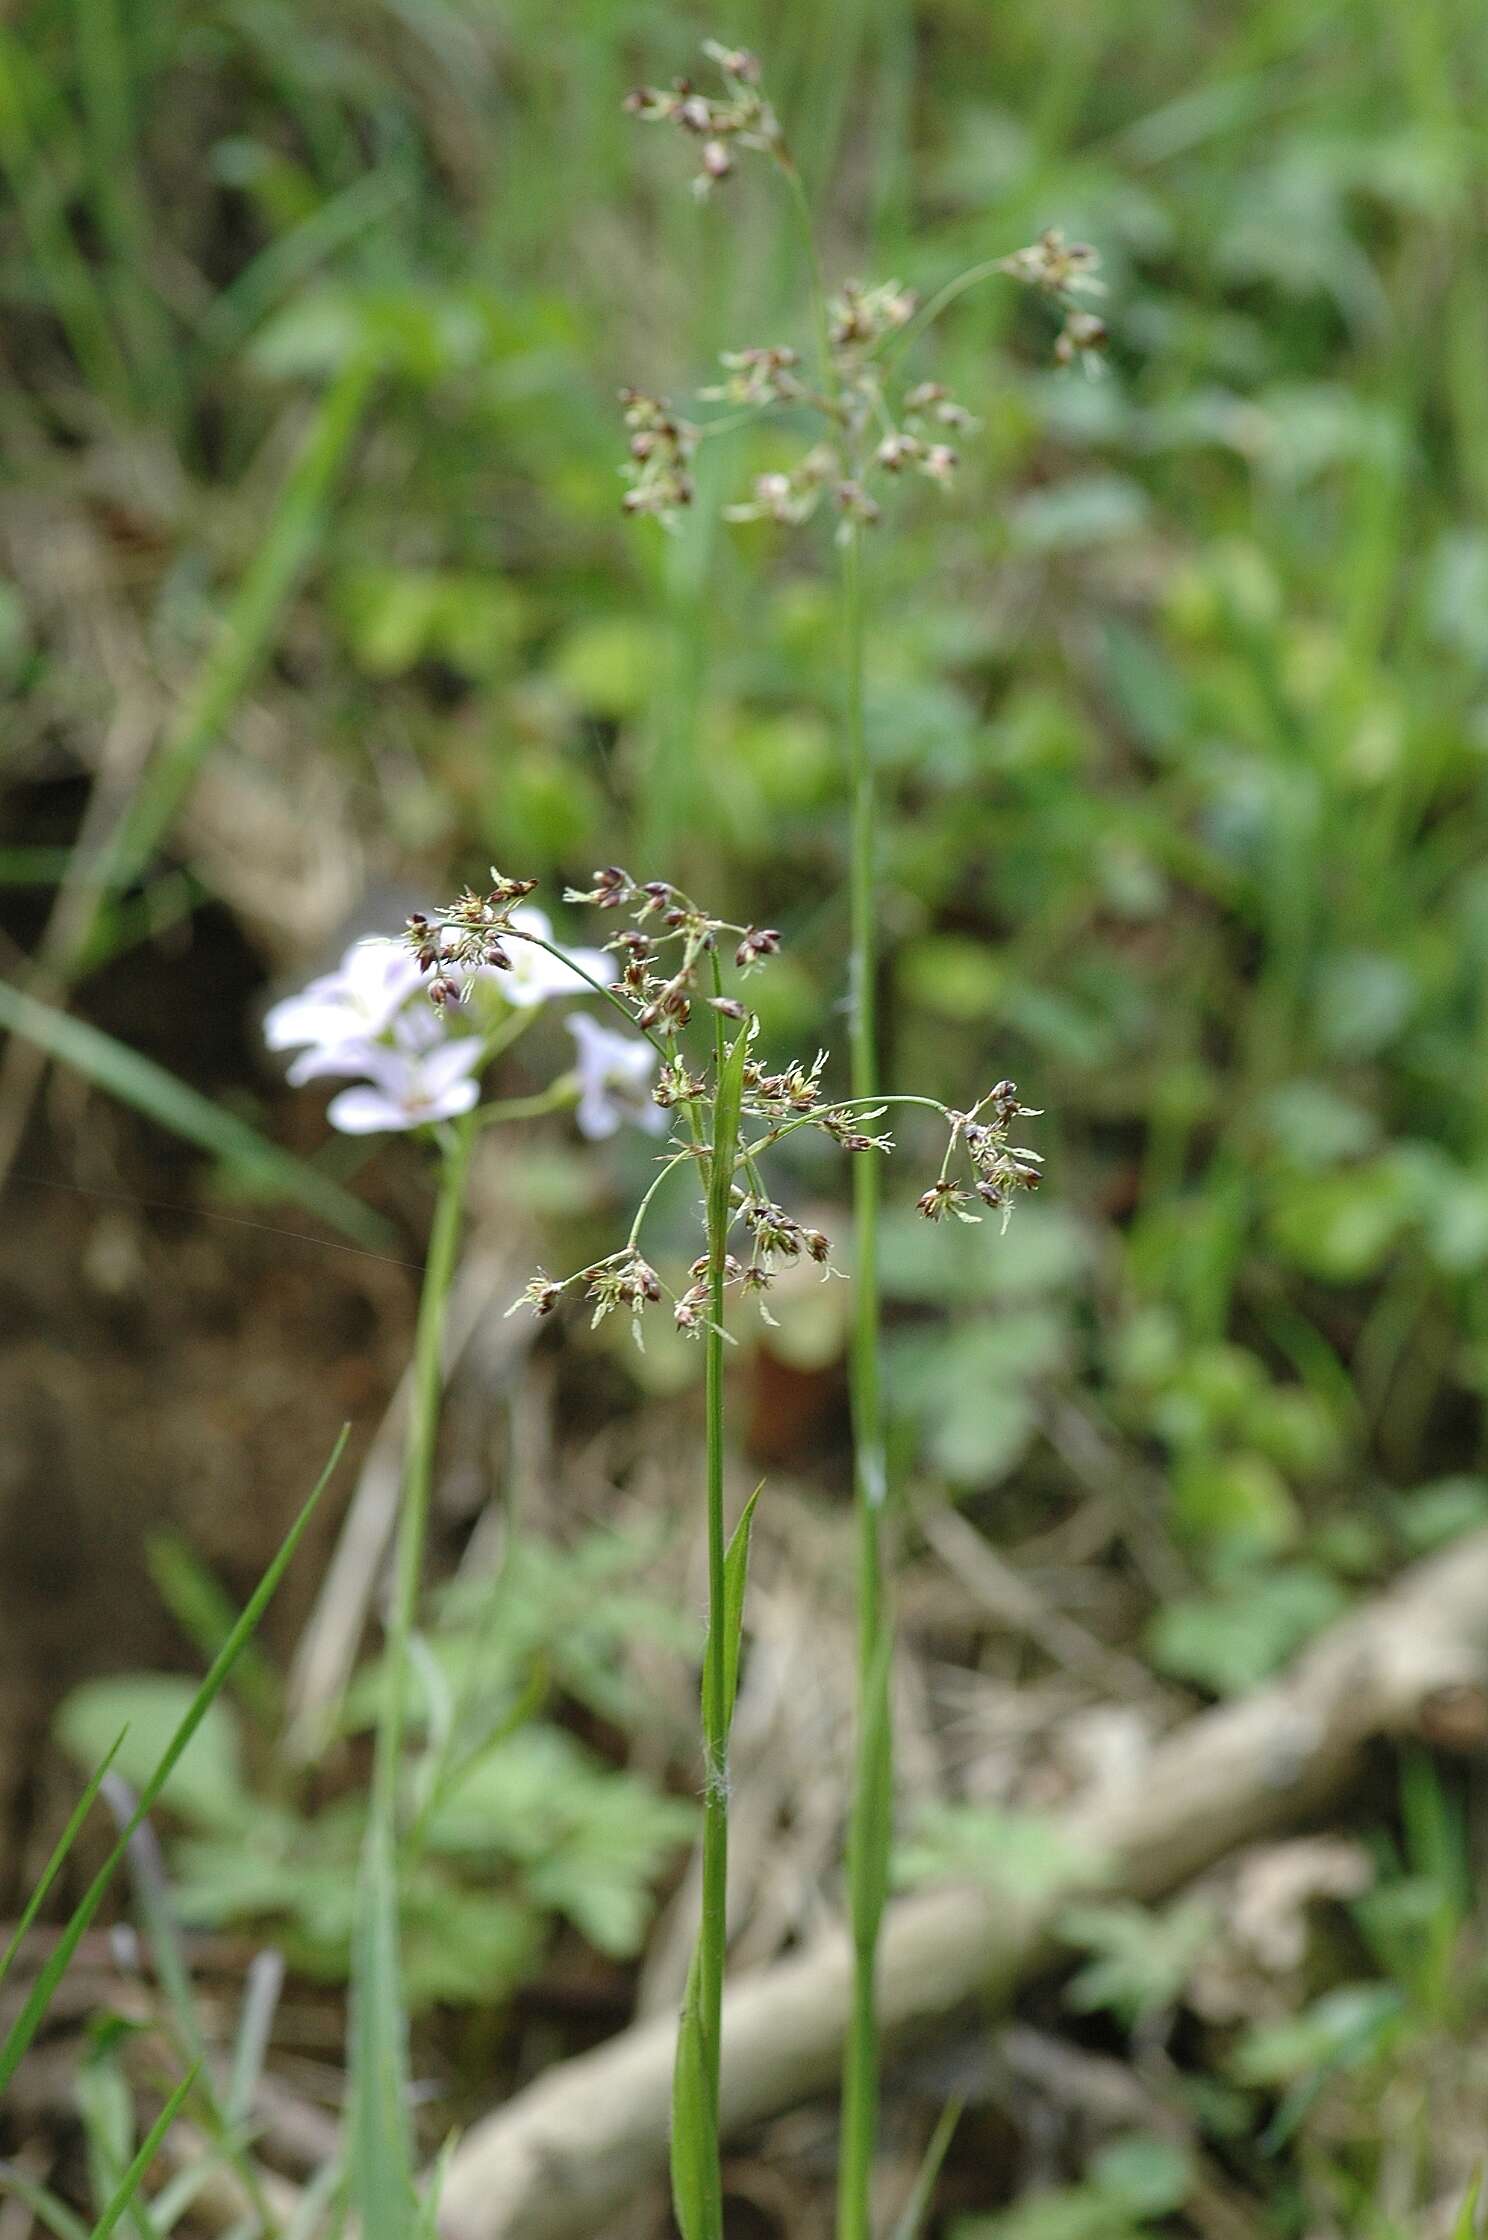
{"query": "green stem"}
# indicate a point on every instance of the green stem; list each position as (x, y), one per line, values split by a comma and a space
(557, 1097)
(820, 315)
(418, 1469)
(713, 1934)
(715, 1739)
(860, 2075)
(873, 1776)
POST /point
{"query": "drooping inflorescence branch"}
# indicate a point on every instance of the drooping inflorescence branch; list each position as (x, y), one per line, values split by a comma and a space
(871, 430)
(670, 959)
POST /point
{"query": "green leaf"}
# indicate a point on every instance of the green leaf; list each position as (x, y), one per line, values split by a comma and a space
(1147, 2176)
(1141, 1957)
(697, 2194)
(1080, 510)
(202, 1607)
(1339, 2031)
(290, 537)
(45, 2208)
(207, 1783)
(26, 2024)
(183, 1111)
(611, 666)
(1342, 1226)
(922, 2194)
(1029, 1856)
(1234, 1505)
(735, 1580)
(871, 1833)
(59, 1854)
(1234, 1640)
(150, 2146)
(1432, 1515)
(1467, 2216)
(380, 2157)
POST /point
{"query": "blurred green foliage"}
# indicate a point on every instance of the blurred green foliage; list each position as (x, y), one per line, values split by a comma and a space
(516, 1825)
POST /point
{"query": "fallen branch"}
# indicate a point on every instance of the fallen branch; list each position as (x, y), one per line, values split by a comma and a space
(567, 2152)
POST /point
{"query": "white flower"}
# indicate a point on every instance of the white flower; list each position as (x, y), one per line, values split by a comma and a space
(407, 1089)
(535, 975)
(615, 1075)
(354, 1004)
(415, 1031)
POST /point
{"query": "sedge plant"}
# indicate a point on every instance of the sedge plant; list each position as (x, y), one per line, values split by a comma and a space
(864, 428)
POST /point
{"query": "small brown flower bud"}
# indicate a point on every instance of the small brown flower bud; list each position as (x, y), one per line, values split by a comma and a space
(727, 1007)
(758, 941)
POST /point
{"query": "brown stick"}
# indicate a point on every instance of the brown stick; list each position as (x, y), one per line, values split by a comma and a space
(567, 2152)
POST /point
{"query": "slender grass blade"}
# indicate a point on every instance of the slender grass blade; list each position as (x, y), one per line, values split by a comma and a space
(49, 1872)
(133, 2177)
(26, 2024)
(149, 1088)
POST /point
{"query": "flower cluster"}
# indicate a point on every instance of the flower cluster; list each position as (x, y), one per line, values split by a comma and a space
(741, 117)
(658, 471)
(409, 1024)
(670, 960)
(872, 433)
(1063, 271)
(999, 1169)
(359, 1023)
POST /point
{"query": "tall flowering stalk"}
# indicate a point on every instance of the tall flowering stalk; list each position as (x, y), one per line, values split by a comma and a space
(726, 1111)
(871, 431)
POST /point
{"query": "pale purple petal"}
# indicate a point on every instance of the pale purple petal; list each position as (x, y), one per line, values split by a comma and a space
(536, 975)
(308, 1017)
(460, 1096)
(374, 981)
(365, 1111)
(379, 977)
(597, 1115)
(454, 1062)
(615, 1072)
(333, 1061)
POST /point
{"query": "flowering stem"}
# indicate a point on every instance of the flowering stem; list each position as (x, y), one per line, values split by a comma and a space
(895, 345)
(873, 1772)
(678, 1159)
(418, 1469)
(557, 1097)
(717, 1708)
(873, 1776)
